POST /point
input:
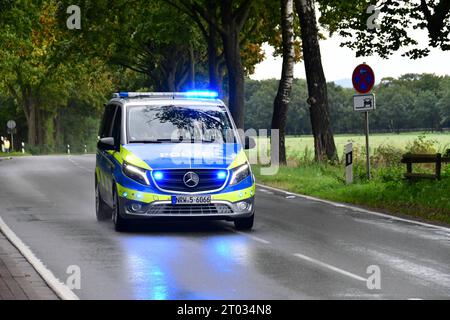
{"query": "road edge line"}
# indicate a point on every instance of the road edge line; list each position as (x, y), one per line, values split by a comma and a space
(59, 288)
(330, 267)
(354, 208)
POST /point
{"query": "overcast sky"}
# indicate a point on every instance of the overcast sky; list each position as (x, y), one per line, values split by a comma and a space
(338, 63)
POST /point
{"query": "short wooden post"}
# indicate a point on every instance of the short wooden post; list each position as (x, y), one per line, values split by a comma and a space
(409, 166)
(408, 163)
(438, 166)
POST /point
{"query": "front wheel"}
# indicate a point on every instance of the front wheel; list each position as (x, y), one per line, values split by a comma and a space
(120, 224)
(244, 223)
(102, 211)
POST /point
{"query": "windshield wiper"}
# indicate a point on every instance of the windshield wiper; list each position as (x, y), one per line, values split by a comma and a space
(145, 141)
(156, 141)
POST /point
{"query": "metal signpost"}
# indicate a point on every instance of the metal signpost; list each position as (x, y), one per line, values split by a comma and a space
(11, 125)
(363, 80)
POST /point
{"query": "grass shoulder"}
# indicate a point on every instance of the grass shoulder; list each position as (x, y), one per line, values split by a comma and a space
(13, 154)
(427, 200)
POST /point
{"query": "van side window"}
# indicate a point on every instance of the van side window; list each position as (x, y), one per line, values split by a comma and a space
(107, 121)
(117, 126)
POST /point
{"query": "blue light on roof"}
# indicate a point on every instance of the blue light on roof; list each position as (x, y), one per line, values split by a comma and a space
(158, 175)
(201, 94)
(123, 94)
(221, 175)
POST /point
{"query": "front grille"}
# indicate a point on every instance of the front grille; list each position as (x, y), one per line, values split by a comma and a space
(176, 209)
(173, 180)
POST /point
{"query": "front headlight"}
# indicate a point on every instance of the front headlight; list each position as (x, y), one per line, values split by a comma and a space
(239, 173)
(135, 173)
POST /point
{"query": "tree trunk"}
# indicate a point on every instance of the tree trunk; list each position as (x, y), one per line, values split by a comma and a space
(39, 128)
(191, 66)
(317, 87)
(232, 19)
(281, 103)
(212, 52)
(235, 76)
(31, 121)
(169, 83)
(230, 37)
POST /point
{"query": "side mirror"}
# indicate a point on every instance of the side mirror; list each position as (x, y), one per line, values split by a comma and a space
(249, 143)
(106, 143)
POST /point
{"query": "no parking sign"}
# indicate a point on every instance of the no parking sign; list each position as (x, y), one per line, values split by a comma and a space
(363, 78)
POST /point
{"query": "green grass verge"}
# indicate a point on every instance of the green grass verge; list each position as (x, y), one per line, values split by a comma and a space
(387, 192)
(14, 154)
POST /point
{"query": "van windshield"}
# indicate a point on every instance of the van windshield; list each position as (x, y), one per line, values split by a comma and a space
(179, 124)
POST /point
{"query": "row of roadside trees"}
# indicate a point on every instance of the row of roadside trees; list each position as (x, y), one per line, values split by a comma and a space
(411, 102)
(181, 44)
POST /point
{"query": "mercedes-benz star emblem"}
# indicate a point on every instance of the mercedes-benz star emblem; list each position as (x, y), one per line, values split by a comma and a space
(191, 179)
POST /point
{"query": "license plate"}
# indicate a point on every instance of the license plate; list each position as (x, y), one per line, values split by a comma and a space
(191, 199)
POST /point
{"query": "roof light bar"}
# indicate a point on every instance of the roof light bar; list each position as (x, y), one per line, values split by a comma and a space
(199, 94)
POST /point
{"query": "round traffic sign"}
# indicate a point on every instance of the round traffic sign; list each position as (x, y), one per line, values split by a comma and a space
(11, 124)
(363, 78)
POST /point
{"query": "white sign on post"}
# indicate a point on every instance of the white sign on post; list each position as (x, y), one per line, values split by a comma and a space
(348, 163)
(11, 124)
(364, 102)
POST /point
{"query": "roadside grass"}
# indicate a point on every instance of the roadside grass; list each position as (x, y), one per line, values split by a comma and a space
(13, 154)
(387, 191)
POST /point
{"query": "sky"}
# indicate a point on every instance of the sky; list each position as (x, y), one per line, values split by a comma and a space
(338, 63)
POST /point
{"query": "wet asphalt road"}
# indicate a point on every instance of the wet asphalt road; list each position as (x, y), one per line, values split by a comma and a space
(299, 248)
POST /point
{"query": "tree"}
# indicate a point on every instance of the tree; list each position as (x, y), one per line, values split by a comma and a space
(210, 34)
(282, 99)
(37, 69)
(29, 58)
(397, 18)
(228, 20)
(324, 146)
(444, 103)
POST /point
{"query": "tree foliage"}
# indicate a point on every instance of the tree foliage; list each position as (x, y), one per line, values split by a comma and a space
(397, 20)
(38, 72)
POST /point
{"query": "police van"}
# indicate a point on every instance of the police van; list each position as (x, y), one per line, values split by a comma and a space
(172, 156)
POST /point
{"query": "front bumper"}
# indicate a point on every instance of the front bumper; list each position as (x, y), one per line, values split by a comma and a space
(216, 210)
(144, 204)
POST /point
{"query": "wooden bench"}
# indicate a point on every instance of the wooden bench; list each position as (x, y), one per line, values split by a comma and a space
(411, 158)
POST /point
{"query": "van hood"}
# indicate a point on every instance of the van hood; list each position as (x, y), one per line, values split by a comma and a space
(185, 155)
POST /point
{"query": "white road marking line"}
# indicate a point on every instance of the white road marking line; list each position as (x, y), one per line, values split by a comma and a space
(249, 235)
(328, 266)
(54, 283)
(78, 165)
(266, 191)
(341, 205)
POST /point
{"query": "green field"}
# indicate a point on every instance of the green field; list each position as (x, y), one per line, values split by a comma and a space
(299, 145)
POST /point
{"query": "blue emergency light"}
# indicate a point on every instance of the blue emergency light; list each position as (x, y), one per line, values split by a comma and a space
(158, 175)
(221, 175)
(201, 94)
(194, 94)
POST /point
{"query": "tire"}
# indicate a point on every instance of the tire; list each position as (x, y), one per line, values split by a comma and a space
(120, 224)
(244, 223)
(102, 211)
